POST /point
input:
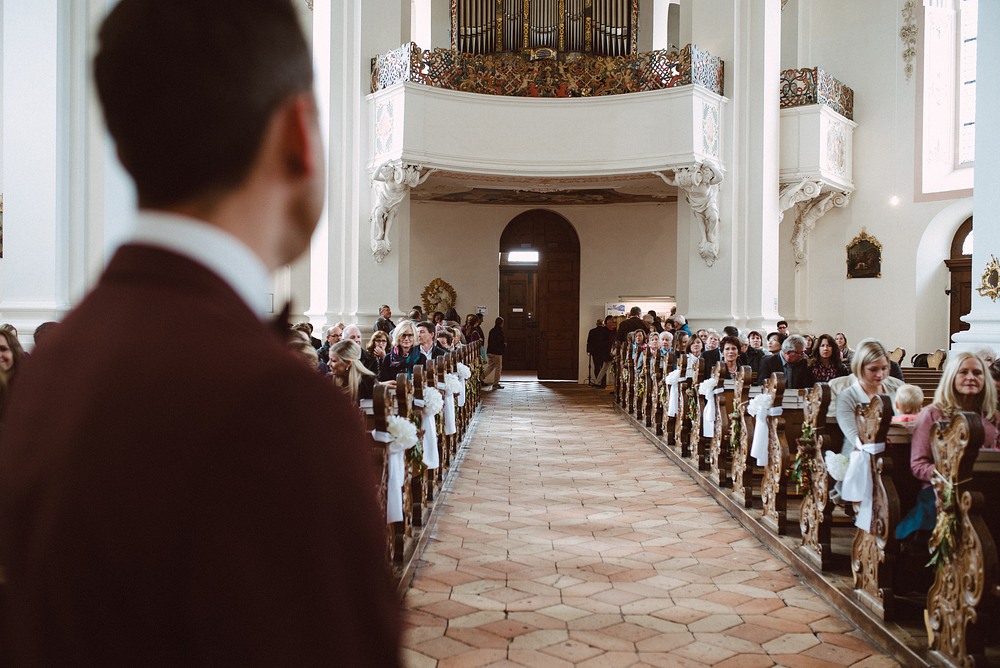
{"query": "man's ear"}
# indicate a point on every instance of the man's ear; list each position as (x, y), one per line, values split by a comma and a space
(299, 136)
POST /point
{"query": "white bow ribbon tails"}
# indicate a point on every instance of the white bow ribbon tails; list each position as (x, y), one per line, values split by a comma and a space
(708, 390)
(429, 406)
(672, 380)
(464, 373)
(449, 389)
(760, 407)
(857, 485)
(397, 474)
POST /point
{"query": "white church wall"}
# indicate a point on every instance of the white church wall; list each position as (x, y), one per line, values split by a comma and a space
(884, 104)
(624, 250)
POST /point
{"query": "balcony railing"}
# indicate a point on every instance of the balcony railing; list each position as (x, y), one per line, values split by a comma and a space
(812, 85)
(524, 76)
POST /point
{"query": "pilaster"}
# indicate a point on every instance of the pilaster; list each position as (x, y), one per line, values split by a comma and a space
(984, 320)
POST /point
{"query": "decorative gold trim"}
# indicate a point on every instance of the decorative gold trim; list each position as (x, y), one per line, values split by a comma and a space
(438, 293)
(991, 280)
(869, 265)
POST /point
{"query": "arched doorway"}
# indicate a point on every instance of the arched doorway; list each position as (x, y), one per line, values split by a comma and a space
(960, 265)
(540, 294)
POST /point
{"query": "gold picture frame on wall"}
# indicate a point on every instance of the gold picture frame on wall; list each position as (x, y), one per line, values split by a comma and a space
(864, 256)
(438, 296)
(991, 280)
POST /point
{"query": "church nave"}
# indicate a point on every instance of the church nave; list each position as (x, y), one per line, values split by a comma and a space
(567, 539)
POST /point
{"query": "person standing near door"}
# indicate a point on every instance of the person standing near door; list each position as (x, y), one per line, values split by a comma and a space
(599, 347)
(495, 346)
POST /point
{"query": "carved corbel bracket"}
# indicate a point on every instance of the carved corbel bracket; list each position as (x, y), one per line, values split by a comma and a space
(810, 203)
(700, 183)
(392, 181)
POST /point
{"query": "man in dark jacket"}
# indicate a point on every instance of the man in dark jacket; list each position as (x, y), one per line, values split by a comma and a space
(791, 361)
(631, 324)
(495, 347)
(599, 348)
(187, 507)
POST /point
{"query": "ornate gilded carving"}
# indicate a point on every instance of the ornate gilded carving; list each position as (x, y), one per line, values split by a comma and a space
(392, 181)
(991, 280)
(519, 76)
(742, 483)
(719, 451)
(772, 487)
(700, 183)
(816, 511)
(908, 36)
(439, 295)
(955, 629)
(683, 423)
(873, 553)
(813, 85)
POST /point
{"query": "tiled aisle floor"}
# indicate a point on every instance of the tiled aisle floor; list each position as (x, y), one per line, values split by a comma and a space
(569, 540)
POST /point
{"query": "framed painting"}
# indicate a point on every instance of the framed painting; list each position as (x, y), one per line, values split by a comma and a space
(864, 257)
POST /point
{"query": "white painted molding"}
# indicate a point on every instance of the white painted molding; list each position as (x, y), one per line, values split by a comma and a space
(392, 182)
(700, 183)
(791, 194)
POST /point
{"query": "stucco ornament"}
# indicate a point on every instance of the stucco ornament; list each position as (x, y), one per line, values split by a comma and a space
(392, 181)
(439, 295)
(809, 214)
(700, 183)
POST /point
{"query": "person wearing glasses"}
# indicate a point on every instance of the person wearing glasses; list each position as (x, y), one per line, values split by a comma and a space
(405, 354)
(790, 360)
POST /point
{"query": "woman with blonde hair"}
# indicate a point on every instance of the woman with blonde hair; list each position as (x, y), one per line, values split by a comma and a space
(349, 373)
(405, 354)
(870, 367)
(965, 386)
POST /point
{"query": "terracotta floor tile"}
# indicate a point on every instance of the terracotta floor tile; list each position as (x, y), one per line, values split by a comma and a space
(566, 539)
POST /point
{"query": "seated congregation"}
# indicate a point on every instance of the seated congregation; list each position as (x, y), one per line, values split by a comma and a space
(884, 494)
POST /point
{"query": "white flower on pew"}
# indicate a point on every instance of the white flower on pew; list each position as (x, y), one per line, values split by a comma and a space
(433, 401)
(463, 371)
(452, 383)
(836, 464)
(404, 432)
(673, 377)
(707, 387)
(760, 405)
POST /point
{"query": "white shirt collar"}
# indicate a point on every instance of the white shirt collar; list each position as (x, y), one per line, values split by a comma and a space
(210, 246)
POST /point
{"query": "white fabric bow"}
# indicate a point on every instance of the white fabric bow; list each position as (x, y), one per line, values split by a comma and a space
(708, 416)
(760, 407)
(430, 442)
(397, 471)
(857, 485)
(672, 380)
(449, 410)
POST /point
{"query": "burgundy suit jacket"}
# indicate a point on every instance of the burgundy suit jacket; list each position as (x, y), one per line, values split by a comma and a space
(176, 488)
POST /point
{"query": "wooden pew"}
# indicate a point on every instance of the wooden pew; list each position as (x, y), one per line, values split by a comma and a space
(381, 410)
(874, 552)
(661, 397)
(965, 587)
(431, 478)
(689, 407)
(742, 462)
(773, 492)
(652, 391)
(816, 511)
(641, 384)
(720, 450)
(676, 362)
(702, 446)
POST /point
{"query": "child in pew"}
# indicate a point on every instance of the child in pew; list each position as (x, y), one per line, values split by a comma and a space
(909, 401)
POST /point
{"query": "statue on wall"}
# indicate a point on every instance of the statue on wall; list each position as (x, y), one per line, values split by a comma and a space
(809, 214)
(392, 181)
(700, 184)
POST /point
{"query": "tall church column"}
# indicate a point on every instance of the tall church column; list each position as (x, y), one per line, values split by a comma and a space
(984, 320)
(742, 284)
(347, 283)
(33, 270)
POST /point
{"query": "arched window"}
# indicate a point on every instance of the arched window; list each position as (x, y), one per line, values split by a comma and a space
(961, 244)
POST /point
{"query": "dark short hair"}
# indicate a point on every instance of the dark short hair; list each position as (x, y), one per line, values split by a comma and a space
(730, 339)
(782, 322)
(635, 310)
(781, 337)
(426, 325)
(730, 330)
(188, 88)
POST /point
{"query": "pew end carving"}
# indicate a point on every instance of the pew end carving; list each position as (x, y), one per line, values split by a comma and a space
(816, 511)
(773, 492)
(874, 552)
(742, 465)
(965, 584)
